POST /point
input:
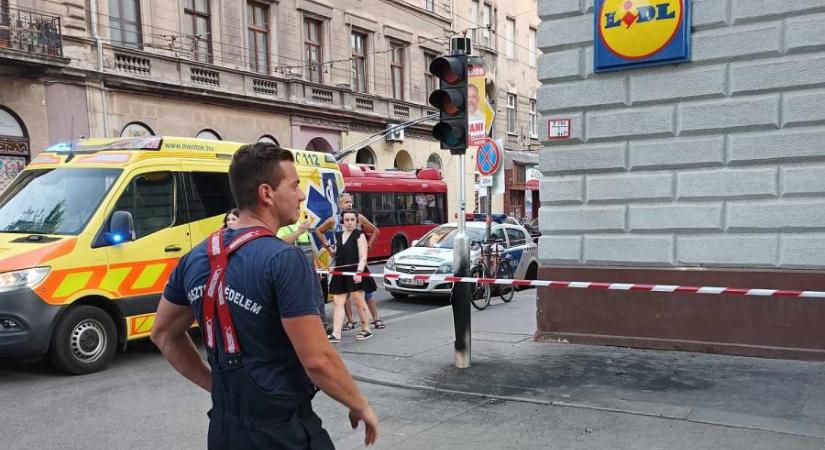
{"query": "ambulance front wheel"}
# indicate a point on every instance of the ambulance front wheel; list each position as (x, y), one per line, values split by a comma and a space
(84, 340)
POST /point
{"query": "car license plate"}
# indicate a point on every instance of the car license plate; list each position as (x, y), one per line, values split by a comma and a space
(411, 282)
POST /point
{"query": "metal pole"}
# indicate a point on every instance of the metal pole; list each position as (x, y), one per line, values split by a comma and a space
(100, 68)
(461, 262)
(487, 231)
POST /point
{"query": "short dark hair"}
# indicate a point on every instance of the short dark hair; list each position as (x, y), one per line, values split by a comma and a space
(349, 211)
(254, 165)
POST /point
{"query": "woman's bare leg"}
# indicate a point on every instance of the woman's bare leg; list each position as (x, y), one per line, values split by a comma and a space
(338, 314)
(348, 308)
(361, 306)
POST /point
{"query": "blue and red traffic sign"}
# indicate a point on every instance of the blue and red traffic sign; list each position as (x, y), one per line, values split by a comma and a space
(488, 158)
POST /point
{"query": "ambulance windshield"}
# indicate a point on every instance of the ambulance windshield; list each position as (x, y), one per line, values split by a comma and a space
(54, 201)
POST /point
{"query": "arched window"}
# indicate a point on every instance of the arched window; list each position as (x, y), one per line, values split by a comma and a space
(434, 161)
(136, 129)
(208, 134)
(319, 144)
(270, 139)
(365, 156)
(14, 146)
(403, 161)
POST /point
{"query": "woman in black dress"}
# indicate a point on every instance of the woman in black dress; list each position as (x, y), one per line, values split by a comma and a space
(350, 256)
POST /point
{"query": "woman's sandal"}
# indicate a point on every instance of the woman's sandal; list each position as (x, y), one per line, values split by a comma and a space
(363, 335)
(349, 326)
(379, 324)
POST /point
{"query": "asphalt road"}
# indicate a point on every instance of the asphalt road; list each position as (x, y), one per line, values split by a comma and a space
(139, 401)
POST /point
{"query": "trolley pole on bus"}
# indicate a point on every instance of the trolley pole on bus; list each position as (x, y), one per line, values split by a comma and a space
(454, 71)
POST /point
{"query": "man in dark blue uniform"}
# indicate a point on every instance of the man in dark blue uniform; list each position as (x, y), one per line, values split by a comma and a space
(255, 298)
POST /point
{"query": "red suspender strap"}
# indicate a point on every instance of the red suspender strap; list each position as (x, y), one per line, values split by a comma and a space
(214, 289)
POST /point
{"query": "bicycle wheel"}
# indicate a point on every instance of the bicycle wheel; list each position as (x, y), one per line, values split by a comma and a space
(481, 292)
(506, 291)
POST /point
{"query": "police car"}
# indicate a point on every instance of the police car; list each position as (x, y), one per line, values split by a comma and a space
(433, 254)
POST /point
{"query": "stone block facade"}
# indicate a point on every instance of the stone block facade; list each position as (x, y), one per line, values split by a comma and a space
(705, 150)
(706, 173)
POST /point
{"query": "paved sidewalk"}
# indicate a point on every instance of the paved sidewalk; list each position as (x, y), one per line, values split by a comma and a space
(778, 396)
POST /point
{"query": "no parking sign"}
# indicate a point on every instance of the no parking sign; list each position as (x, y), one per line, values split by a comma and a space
(488, 157)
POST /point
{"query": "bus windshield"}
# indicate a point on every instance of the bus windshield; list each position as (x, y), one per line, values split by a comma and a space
(54, 201)
(444, 236)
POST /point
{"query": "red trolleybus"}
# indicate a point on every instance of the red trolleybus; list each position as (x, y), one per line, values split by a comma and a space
(403, 205)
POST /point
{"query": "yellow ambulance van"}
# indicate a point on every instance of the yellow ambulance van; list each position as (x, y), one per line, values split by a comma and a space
(90, 231)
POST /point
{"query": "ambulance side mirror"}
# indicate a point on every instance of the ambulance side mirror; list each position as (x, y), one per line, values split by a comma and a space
(121, 228)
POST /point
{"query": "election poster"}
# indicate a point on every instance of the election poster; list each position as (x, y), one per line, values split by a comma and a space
(476, 101)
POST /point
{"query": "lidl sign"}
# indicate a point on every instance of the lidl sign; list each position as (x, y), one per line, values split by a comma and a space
(633, 33)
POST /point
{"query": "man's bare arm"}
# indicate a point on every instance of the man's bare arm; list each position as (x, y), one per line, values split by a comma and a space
(292, 237)
(326, 369)
(369, 228)
(170, 336)
(326, 226)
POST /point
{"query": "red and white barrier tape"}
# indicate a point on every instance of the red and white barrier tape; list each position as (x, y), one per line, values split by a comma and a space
(593, 285)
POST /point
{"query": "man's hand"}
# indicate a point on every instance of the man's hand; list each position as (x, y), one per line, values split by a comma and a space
(326, 369)
(370, 423)
(304, 226)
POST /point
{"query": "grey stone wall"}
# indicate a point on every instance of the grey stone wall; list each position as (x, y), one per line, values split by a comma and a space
(717, 162)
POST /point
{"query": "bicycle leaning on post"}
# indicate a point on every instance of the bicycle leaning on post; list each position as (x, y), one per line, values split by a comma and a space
(499, 267)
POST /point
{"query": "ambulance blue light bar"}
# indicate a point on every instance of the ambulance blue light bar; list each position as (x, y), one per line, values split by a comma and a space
(96, 145)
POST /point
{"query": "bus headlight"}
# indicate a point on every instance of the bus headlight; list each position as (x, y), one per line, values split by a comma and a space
(445, 268)
(390, 265)
(19, 279)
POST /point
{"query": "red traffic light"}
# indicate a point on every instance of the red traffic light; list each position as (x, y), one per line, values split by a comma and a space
(450, 69)
(449, 101)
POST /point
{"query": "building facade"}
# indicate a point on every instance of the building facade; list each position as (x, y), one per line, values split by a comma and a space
(306, 74)
(504, 34)
(704, 173)
(317, 75)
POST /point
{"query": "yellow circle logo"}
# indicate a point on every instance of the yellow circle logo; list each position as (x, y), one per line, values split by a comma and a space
(636, 29)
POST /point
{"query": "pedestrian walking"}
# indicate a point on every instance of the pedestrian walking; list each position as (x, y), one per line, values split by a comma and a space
(297, 234)
(334, 224)
(255, 298)
(350, 255)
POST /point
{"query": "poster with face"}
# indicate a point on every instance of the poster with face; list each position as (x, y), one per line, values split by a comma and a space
(476, 100)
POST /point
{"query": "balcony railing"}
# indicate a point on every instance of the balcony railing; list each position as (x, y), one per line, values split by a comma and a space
(30, 32)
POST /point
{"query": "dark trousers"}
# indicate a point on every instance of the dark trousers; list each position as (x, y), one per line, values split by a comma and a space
(243, 416)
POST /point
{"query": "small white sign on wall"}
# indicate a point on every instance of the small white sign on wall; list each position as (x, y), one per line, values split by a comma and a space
(558, 129)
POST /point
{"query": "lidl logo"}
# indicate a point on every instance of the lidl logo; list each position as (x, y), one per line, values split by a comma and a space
(640, 32)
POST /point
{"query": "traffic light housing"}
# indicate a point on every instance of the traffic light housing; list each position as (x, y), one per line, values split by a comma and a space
(451, 101)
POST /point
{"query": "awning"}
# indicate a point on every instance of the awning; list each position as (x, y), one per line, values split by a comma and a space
(523, 157)
(532, 185)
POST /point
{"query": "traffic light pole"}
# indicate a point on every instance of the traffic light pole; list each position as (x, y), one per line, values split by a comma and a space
(452, 130)
(461, 262)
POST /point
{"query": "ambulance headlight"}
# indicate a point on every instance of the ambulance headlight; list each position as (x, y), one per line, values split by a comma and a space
(390, 264)
(19, 279)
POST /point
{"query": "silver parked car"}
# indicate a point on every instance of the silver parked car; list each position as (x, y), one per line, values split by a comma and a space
(433, 254)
